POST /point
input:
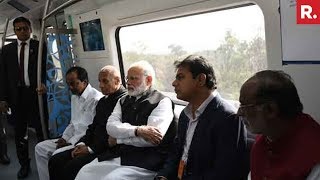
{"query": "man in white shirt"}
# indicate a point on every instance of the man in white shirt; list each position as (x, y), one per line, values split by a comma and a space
(142, 125)
(83, 103)
(93, 144)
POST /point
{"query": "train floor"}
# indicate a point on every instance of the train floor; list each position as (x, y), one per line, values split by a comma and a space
(9, 172)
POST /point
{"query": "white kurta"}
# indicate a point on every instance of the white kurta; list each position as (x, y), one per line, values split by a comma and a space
(161, 117)
(82, 114)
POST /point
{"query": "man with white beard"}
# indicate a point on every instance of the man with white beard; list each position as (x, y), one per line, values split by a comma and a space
(141, 125)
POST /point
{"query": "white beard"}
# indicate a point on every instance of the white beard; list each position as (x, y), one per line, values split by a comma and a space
(139, 90)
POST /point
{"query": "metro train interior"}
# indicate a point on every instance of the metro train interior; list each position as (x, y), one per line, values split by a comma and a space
(239, 37)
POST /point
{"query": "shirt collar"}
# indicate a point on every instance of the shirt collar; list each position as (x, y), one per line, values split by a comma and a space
(86, 92)
(201, 108)
(27, 42)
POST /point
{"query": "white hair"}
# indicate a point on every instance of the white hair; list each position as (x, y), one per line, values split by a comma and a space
(147, 69)
(114, 72)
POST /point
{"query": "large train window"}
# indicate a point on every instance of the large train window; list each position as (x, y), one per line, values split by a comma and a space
(232, 39)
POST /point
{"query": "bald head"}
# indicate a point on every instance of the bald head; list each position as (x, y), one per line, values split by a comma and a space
(109, 80)
(111, 70)
(278, 87)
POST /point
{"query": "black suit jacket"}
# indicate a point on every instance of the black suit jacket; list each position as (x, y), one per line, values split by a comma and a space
(96, 136)
(218, 148)
(9, 70)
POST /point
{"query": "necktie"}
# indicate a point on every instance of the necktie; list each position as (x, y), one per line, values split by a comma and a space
(21, 65)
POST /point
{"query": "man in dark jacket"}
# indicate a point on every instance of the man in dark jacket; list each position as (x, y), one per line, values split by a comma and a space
(18, 82)
(210, 143)
(65, 165)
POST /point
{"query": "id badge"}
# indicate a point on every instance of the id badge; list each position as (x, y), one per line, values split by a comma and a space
(181, 169)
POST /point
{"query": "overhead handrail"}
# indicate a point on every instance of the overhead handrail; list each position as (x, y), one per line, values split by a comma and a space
(62, 6)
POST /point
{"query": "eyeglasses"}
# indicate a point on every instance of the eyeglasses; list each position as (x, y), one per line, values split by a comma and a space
(134, 78)
(24, 28)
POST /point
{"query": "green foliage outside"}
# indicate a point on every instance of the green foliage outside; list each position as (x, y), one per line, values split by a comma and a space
(234, 61)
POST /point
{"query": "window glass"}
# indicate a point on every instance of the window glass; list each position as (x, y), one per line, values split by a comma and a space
(233, 41)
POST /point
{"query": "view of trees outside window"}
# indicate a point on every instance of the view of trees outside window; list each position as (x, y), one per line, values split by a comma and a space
(232, 40)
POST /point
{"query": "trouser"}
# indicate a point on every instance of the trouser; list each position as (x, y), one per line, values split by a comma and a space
(25, 112)
(63, 166)
(112, 170)
(3, 136)
(43, 152)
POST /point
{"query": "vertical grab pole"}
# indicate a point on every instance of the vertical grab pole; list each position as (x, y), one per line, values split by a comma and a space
(39, 72)
(5, 32)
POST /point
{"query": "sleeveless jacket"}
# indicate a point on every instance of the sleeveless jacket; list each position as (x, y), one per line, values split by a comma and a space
(137, 113)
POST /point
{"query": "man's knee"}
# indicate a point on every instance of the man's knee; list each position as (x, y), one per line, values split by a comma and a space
(40, 148)
(75, 163)
(61, 159)
(53, 160)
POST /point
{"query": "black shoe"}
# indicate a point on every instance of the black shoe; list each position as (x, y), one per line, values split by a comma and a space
(4, 159)
(23, 172)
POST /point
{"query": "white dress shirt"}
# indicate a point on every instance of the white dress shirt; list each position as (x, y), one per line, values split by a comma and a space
(26, 59)
(82, 113)
(161, 117)
(193, 122)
